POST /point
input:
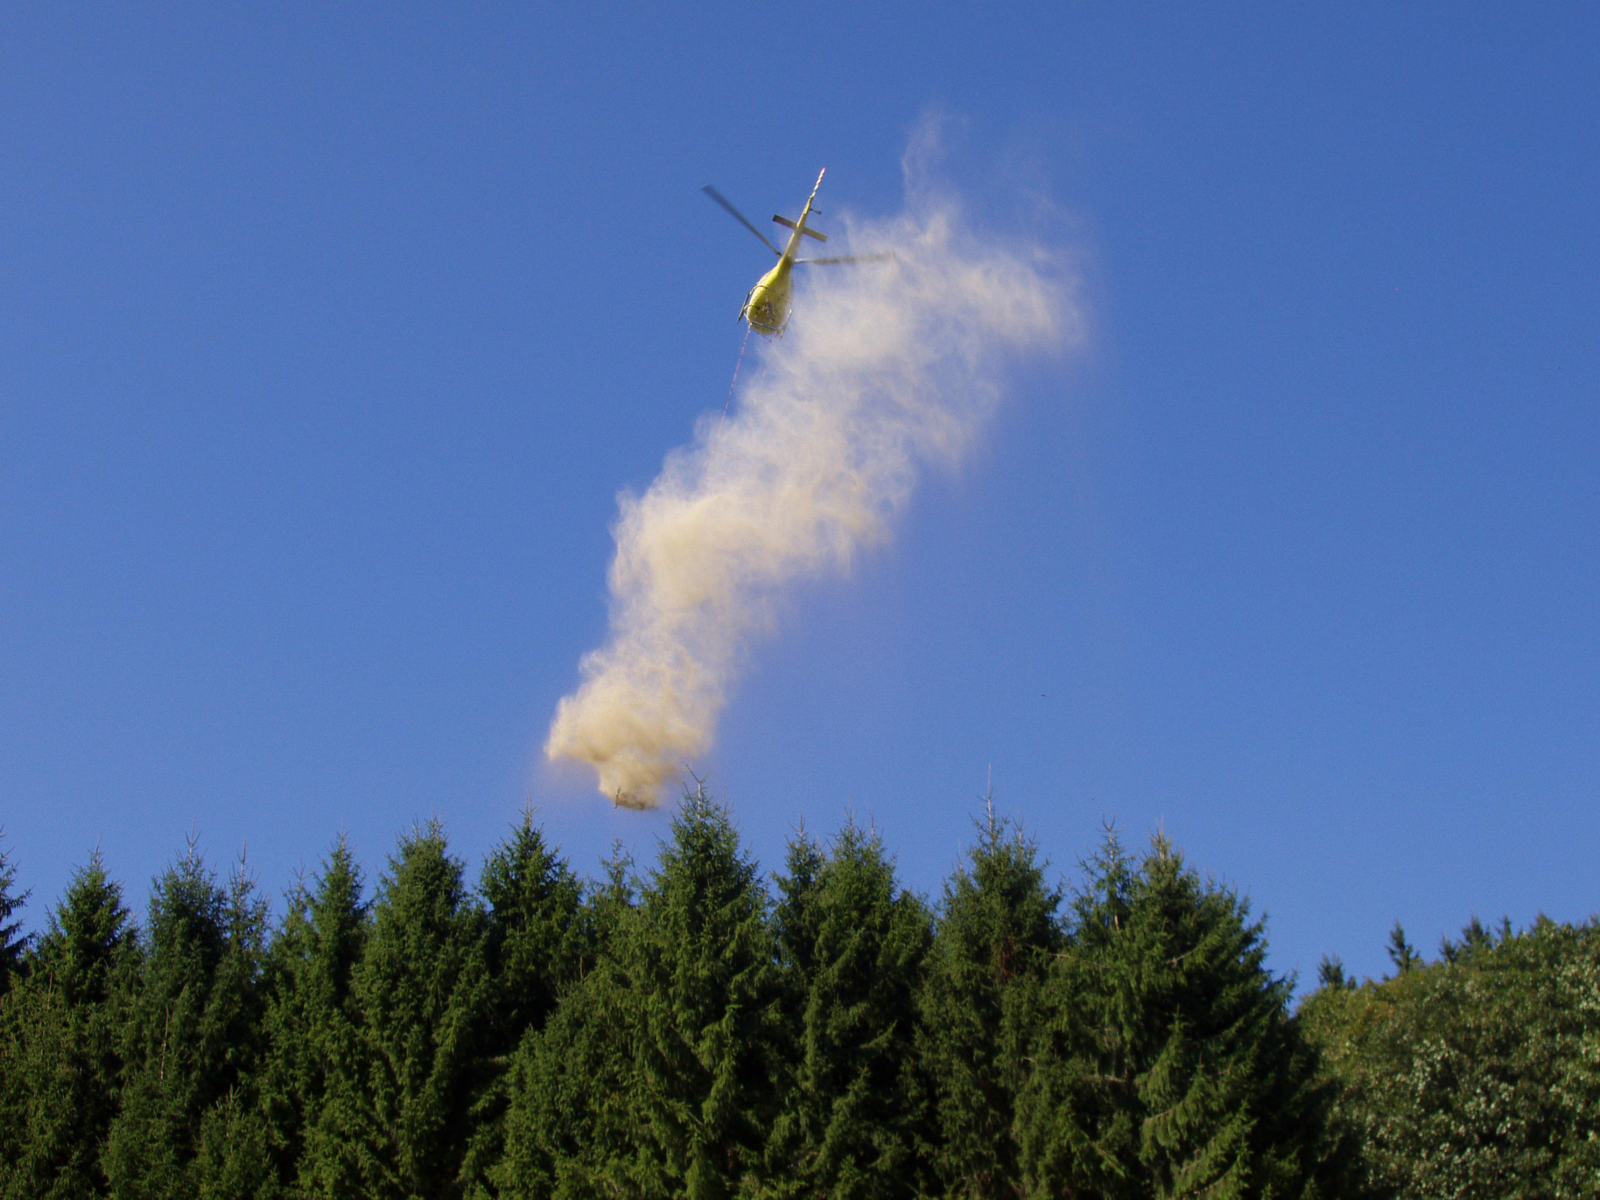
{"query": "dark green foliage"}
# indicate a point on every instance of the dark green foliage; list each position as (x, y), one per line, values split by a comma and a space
(59, 1060)
(569, 1127)
(48, 1145)
(537, 946)
(1330, 973)
(12, 943)
(397, 1121)
(657, 1076)
(1475, 937)
(853, 946)
(312, 1026)
(996, 936)
(1169, 1065)
(1401, 952)
(1478, 1075)
(684, 1036)
(191, 1033)
(89, 941)
(703, 988)
(235, 1155)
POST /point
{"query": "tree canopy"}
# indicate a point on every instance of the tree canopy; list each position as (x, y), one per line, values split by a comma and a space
(699, 1029)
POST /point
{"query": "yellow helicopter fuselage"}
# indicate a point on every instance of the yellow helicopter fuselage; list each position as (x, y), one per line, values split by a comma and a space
(767, 305)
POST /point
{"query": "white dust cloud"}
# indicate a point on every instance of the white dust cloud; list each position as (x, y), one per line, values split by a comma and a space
(886, 368)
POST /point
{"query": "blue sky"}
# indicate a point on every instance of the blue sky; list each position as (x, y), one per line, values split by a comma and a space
(328, 338)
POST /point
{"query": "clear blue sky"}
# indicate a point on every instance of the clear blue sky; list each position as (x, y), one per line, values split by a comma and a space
(328, 335)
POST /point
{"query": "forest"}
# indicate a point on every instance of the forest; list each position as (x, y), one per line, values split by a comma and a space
(698, 1028)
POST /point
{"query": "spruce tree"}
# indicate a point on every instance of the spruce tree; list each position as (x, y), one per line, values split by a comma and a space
(536, 946)
(234, 1160)
(997, 930)
(191, 1033)
(656, 1077)
(1401, 952)
(42, 1140)
(706, 993)
(58, 1057)
(399, 1124)
(570, 1128)
(90, 938)
(12, 942)
(536, 943)
(1170, 1065)
(312, 1022)
(853, 946)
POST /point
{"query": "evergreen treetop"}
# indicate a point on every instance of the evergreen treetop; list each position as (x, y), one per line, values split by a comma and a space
(684, 1035)
(1169, 1065)
(1401, 952)
(537, 943)
(192, 1031)
(422, 991)
(853, 944)
(312, 1021)
(60, 1071)
(997, 931)
(90, 935)
(12, 942)
(704, 980)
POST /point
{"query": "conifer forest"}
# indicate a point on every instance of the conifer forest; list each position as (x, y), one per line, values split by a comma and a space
(696, 1027)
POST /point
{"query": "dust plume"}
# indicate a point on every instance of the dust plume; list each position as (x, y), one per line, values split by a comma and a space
(886, 369)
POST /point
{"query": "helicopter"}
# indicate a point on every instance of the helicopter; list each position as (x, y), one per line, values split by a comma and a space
(767, 306)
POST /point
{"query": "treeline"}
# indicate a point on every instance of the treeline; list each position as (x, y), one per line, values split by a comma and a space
(1475, 1075)
(700, 1032)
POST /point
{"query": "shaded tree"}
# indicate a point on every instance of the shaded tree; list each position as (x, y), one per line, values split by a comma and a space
(190, 1035)
(1170, 1065)
(1330, 973)
(398, 1122)
(59, 1065)
(705, 991)
(997, 931)
(13, 944)
(657, 1076)
(570, 1128)
(1401, 952)
(312, 1025)
(537, 945)
(853, 946)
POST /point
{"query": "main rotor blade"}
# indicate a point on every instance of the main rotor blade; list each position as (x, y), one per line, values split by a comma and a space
(886, 256)
(739, 217)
